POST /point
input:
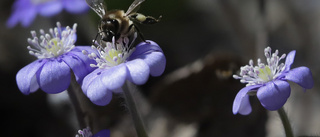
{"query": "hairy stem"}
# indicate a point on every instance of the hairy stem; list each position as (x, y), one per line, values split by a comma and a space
(285, 122)
(128, 88)
(72, 91)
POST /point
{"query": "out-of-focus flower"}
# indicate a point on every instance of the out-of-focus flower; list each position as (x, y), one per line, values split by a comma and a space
(269, 82)
(25, 11)
(102, 133)
(87, 133)
(118, 62)
(57, 59)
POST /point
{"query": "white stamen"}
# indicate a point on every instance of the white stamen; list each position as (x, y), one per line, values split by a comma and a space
(262, 73)
(112, 53)
(86, 132)
(52, 44)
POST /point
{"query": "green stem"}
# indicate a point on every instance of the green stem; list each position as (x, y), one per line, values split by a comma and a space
(127, 87)
(285, 122)
(88, 114)
(72, 91)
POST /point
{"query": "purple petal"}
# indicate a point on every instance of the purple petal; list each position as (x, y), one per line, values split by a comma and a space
(75, 6)
(245, 107)
(26, 16)
(50, 8)
(13, 20)
(274, 94)
(156, 61)
(102, 133)
(77, 66)
(80, 48)
(114, 77)
(289, 60)
(21, 4)
(241, 103)
(98, 93)
(26, 79)
(302, 76)
(77, 51)
(89, 78)
(54, 77)
(78, 62)
(138, 71)
(22, 11)
(152, 55)
(145, 48)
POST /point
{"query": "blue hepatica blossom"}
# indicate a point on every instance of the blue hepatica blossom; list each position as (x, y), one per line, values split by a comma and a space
(87, 133)
(118, 62)
(57, 59)
(102, 133)
(25, 11)
(270, 82)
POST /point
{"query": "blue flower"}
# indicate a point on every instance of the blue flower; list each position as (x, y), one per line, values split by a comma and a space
(25, 11)
(118, 62)
(102, 133)
(270, 82)
(86, 132)
(57, 59)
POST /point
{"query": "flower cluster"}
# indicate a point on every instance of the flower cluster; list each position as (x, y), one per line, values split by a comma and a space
(269, 82)
(58, 57)
(25, 11)
(100, 71)
(118, 61)
(111, 64)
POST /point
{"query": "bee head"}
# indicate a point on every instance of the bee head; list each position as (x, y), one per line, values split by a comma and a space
(109, 28)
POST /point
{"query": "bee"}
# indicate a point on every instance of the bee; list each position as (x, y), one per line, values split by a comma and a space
(117, 23)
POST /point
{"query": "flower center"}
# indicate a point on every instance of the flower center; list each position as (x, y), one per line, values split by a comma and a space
(111, 54)
(54, 49)
(265, 74)
(114, 56)
(54, 44)
(262, 73)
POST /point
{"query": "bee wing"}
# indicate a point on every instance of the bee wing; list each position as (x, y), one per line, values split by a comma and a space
(97, 6)
(134, 7)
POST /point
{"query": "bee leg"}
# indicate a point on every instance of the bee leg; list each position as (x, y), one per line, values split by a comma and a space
(142, 19)
(151, 20)
(95, 39)
(139, 33)
(109, 36)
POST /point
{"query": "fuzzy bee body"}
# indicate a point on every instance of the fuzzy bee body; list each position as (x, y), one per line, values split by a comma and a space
(117, 23)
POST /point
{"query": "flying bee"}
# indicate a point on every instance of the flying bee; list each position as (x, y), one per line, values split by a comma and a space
(117, 23)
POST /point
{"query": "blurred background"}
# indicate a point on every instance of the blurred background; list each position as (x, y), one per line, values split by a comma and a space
(205, 42)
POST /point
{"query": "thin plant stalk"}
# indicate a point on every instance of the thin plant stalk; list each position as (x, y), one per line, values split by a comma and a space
(74, 86)
(88, 114)
(128, 88)
(285, 122)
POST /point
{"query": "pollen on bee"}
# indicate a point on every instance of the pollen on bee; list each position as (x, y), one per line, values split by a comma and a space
(141, 17)
(112, 16)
